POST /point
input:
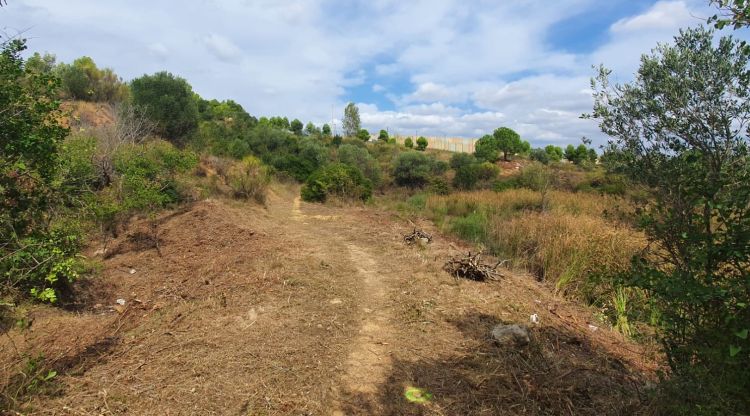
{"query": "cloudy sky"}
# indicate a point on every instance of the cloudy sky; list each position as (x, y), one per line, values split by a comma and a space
(432, 67)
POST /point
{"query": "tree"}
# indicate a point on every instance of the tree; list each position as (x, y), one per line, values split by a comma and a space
(351, 122)
(326, 130)
(733, 12)
(508, 142)
(363, 135)
(422, 143)
(168, 101)
(383, 136)
(681, 130)
(408, 142)
(296, 127)
(540, 155)
(554, 153)
(487, 148)
(82, 80)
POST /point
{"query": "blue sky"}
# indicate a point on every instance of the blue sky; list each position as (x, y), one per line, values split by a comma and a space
(428, 67)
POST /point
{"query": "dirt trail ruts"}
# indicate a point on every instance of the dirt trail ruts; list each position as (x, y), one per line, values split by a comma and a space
(310, 309)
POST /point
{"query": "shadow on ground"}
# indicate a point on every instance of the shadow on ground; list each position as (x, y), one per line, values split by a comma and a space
(558, 373)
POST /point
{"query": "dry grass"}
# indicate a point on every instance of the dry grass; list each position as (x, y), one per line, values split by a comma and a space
(575, 236)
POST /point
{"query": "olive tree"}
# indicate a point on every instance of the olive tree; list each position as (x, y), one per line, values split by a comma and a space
(681, 130)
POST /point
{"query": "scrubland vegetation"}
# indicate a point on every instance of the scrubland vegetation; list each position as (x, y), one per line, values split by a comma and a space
(652, 234)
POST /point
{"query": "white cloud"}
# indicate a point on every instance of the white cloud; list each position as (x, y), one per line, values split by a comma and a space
(665, 15)
(222, 47)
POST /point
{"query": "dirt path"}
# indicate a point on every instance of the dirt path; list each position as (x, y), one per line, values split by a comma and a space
(307, 309)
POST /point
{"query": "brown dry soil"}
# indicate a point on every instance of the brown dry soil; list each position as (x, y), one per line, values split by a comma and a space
(308, 309)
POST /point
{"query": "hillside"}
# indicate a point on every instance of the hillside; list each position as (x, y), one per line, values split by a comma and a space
(312, 309)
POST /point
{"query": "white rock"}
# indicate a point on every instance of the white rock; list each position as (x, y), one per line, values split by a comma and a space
(120, 302)
(132, 271)
(534, 319)
(593, 327)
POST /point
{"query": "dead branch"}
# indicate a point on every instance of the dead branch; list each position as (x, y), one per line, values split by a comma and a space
(417, 236)
(471, 267)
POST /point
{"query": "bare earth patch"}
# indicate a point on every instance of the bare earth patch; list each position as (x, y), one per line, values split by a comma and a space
(306, 309)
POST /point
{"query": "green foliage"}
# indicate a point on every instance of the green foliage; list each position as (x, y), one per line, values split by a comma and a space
(169, 102)
(361, 159)
(36, 254)
(735, 13)
(363, 135)
(580, 155)
(312, 130)
(383, 135)
(82, 80)
(412, 169)
(540, 156)
(459, 160)
(508, 142)
(421, 143)
(148, 175)
(336, 179)
(467, 176)
(351, 123)
(249, 178)
(296, 127)
(439, 186)
(409, 143)
(487, 148)
(554, 153)
(326, 130)
(676, 127)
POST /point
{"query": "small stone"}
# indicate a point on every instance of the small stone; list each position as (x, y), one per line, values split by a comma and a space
(335, 301)
(534, 319)
(510, 335)
(593, 328)
(132, 271)
(120, 301)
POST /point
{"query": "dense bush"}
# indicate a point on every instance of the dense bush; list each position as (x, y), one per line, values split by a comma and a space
(169, 101)
(422, 143)
(36, 254)
(409, 143)
(467, 176)
(412, 169)
(248, 178)
(339, 180)
(361, 159)
(82, 80)
(148, 175)
(459, 160)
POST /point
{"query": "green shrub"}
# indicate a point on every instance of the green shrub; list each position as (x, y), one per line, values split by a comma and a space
(412, 169)
(459, 160)
(409, 143)
(169, 102)
(249, 178)
(488, 171)
(148, 174)
(361, 159)
(439, 186)
(467, 176)
(504, 184)
(422, 143)
(339, 180)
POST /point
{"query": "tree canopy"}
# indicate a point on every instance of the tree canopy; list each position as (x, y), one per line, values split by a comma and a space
(351, 123)
(168, 101)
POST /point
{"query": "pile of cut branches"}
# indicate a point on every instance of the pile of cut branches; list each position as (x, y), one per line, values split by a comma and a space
(471, 267)
(417, 236)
